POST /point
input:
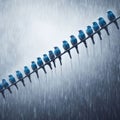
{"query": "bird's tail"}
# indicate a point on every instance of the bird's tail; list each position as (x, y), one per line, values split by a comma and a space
(9, 90)
(99, 34)
(77, 49)
(116, 23)
(50, 65)
(106, 29)
(37, 74)
(92, 40)
(44, 70)
(60, 59)
(85, 44)
(69, 54)
(29, 77)
(23, 82)
(16, 86)
(54, 63)
(3, 94)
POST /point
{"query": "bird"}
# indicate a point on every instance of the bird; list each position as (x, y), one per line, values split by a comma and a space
(27, 72)
(12, 80)
(82, 37)
(20, 77)
(73, 41)
(52, 57)
(89, 32)
(47, 60)
(66, 47)
(1, 88)
(103, 24)
(34, 68)
(111, 16)
(40, 64)
(6, 85)
(57, 53)
(96, 28)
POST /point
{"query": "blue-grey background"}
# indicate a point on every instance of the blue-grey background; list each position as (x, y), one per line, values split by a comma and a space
(86, 87)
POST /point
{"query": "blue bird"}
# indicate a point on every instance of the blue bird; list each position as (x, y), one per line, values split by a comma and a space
(27, 72)
(20, 77)
(89, 32)
(6, 85)
(34, 68)
(73, 41)
(1, 88)
(82, 37)
(57, 52)
(66, 47)
(52, 57)
(47, 60)
(111, 16)
(102, 24)
(40, 64)
(96, 28)
(12, 80)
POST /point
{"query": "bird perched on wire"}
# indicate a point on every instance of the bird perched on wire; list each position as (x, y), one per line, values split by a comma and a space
(1, 88)
(52, 57)
(96, 28)
(102, 24)
(40, 64)
(111, 16)
(34, 68)
(12, 80)
(6, 85)
(82, 37)
(73, 41)
(20, 77)
(89, 32)
(47, 60)
(66, 47)
(27, 72)
(57, 52)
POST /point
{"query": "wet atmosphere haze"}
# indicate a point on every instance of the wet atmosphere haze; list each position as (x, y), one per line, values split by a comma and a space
(86, 87)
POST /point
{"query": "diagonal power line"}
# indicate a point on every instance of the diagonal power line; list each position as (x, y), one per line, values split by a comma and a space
(2, 91)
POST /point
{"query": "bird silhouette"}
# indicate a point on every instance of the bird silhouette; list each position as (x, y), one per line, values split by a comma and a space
(57, 52)
(27, 72)
(89, 32)
(66, 47)
(6, 85)
(1, 88)
(20, 77)
(34, 68)
(73, 41)
(102, 24)
(96, 28)
(52, 57)
(82, 37)
(47, 60)
(111, 16)
(12, 80)
(41, 64)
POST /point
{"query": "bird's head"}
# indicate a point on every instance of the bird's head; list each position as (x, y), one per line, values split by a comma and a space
(9, 75)
(55, 47)
(33, 62)
(80, 31)
(94, 23)
(71, 36)
(44, 55)
(38, 58)
(88, 27)
(25, 67)
(50, 51)
(3, 80)
(64, 41)
(109, 11)
(17, 71)
(100, 18)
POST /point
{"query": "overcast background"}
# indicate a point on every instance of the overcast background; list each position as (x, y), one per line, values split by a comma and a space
(86, 87)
